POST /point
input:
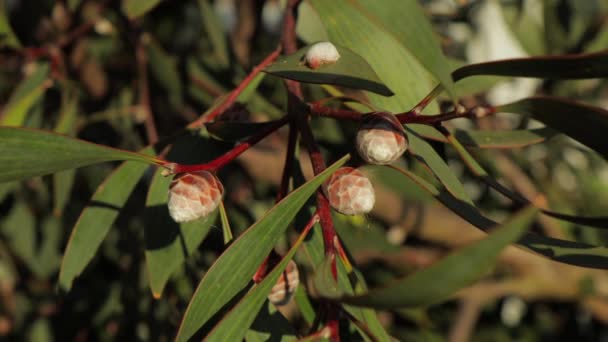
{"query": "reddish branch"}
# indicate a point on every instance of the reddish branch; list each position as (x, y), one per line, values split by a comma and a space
(229, 101)
(229, 156)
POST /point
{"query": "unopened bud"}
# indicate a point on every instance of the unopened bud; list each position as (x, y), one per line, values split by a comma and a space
(286, 285)
(350, 192)
(320, 54)
(381, 139)
(194, 195)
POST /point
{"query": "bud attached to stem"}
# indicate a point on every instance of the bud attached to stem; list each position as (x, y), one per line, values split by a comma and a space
(381, 139)
(350, 192)
(286, 285)
(194, 195)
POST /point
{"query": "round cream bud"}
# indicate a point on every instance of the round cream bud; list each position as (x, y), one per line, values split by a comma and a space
(286, 285)
(381, 139)
(320, 54)
(194, 195)
(350, 192)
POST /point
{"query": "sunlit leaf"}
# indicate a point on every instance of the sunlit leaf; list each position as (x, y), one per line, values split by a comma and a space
(27, 153)
(28, 93)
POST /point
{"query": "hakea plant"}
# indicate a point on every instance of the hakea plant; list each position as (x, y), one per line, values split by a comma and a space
(195, 192)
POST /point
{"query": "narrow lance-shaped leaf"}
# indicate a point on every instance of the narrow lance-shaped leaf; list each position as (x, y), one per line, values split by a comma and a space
(481, 173)
(586, 124)
(7, 36)
(235, 267)
(580, 66)
(63, 181)
(28, 93)
(97, 218)
(439, 281)
(27, 153)
(569, 252)
(491, 139)
(413, 30)
(350, 70)
(234, 325)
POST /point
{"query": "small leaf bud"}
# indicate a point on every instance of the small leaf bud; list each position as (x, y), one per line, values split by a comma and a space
(320, 54)
(194, 195)
(286, 285)
(381, 139)
(350, 192)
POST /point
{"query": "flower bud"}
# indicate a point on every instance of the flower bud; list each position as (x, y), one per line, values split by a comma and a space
(321, 53)
(350, 192)
(194, 195)
(286, 285)
(380, 139)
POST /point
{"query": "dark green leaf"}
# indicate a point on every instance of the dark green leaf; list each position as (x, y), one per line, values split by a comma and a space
(569, 252)
(584, 123)
(27, 153)
(7, 36)
(580, 66)
(25, 96)
(351, 70)
(439, 281)
(97, 218)
(63, 181)
(235, 267)
(163, 68)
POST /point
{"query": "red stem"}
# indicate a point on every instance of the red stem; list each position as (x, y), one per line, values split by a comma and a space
(234, 94)
(340, 114)
(229, 156)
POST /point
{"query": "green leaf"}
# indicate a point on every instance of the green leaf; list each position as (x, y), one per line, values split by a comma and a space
(163, 68)
(25, 96)
(235, 267)
(569, 252)
(63, 181)
(425, 153)
(586, 124)
(7, 36)
(439, 281)
(235, 324)
(493, 139)
(413, 30)
(580, 66)
(482, 174)
(28, 152)
(215, 34)
(97, 218)
(137, 8)
(168, 244)
(351, 70)
(347, 26)
(270, 325)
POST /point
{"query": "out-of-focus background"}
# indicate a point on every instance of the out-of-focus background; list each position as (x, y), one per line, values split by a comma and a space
(96, 63)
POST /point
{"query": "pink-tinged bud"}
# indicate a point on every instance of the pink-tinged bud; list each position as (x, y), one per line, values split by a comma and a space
(194, 195)
(286, 285)
(381, 139)
(320, 54)
(350, 192)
